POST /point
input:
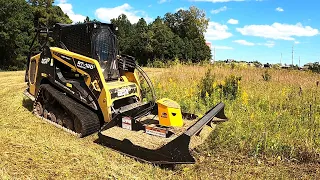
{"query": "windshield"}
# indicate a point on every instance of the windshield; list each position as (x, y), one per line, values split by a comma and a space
(105, 52)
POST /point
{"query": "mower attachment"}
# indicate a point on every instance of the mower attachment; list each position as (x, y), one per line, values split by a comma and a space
(174, 152)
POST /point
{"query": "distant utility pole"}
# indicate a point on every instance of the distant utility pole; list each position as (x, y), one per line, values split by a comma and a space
(299, 61)
(281, 58)
(292, 54)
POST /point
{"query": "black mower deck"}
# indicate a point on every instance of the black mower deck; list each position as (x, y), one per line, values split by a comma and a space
(158, 150)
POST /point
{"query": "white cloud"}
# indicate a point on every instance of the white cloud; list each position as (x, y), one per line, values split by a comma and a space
(278, 31)
(67, 8)
(217, 31)
(233, 21)
(216, 11)
(244, 42)
(279, 9)
(163, 1)
(296, 42)
(269, 44)
(217, 1)
(105, 14)
(222, 47)
(180, 8)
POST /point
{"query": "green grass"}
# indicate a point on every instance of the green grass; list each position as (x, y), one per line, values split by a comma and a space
(279, 117)
(33, 149)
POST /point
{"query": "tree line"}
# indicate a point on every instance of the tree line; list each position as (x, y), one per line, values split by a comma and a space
(177, 35)
(18, 21)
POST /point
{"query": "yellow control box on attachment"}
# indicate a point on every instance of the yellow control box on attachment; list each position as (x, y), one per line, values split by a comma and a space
(169, 113)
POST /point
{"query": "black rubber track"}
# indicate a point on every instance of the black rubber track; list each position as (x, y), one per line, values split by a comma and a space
(89, 120)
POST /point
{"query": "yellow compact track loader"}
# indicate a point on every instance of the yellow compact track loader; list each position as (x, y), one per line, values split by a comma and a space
(80, 83)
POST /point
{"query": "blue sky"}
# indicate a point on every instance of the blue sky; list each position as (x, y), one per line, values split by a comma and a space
(238, 29)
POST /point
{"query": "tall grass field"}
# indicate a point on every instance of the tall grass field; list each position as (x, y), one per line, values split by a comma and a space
(273, 131)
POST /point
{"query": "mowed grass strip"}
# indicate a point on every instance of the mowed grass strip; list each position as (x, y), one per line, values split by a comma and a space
(33, 149)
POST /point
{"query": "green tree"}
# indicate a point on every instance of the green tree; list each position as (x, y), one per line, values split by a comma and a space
(46, 15)
(177, 47)
(43, 3)
(141, 43)
(89, 20)
(188, 50)
(190, 25)
(179, 35)
(201, 50)
(187, 23)
(162, 39)
(16, 28)
(125, 33)
(315, 67)
(199, 17)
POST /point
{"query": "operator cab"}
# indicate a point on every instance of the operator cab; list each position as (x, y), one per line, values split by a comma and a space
(94, 39)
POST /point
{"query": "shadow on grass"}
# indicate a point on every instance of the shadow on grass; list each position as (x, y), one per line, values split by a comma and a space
(162, 166)
(28, 104)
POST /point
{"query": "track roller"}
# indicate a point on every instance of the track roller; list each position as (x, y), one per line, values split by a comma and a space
(38, 108)
(58, 109)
